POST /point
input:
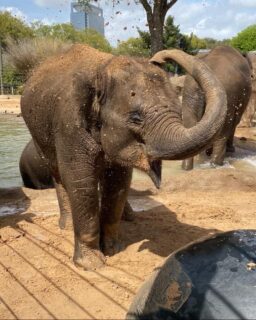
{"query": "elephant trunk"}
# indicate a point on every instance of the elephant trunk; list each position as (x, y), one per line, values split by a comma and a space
(172, 141)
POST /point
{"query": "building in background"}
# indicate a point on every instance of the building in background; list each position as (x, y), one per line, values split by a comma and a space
(87, 17)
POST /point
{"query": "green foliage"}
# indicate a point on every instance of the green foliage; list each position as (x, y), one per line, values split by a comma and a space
(12, 27)
(172, 35)
(196, 43)
(67, 33)
(132, 47)
(145, 37)
(246, 39)
(211, 43)
(61, 31)
(84, 2)
(141, 46)
(11, 77)
(225, 42)
(95, 40)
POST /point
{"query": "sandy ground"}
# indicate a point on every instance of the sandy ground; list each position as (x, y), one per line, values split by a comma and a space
(39, 280)
(10, 104)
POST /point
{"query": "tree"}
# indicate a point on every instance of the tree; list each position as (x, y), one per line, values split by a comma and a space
(156, 11)
(171, 35)
(211, 43)
(67, 33)
(133, 47)
(12, 27)
(196, 43)
(95, 40)
(246, 39)
(61, 31)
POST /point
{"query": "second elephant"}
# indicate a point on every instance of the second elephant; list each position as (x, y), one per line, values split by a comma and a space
(234, 72)
(33, 169)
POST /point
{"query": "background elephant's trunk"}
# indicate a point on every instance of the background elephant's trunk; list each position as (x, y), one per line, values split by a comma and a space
(171, 139)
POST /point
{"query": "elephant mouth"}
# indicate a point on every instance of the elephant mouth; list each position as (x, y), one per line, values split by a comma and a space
(155, 172)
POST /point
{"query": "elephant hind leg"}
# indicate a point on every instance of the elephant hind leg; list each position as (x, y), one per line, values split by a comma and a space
(230, 142)
(218, 151)
(65, 220)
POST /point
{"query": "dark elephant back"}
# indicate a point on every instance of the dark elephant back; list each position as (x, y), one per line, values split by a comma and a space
(234, 72)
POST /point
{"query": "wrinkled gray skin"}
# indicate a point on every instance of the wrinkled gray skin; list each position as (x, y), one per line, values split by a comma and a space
(234, 72)
(36, 175)
(94, 117)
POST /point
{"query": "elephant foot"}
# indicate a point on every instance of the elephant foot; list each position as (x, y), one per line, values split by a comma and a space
(65, 222)
(230, 149)
(215, 164)
(128, 213)
(111, 246)
(88, 258)
(187, 164)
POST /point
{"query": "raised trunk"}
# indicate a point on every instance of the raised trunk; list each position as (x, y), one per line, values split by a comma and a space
(171, 139)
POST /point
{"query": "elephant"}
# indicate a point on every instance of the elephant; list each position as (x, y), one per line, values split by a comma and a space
(33, 169)
(234, 72)
(36, 175)
(94, 117)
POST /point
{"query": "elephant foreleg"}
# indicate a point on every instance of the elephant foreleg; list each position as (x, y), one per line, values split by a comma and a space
(128, 213)
(79, 172)
(219, 150)
(65, 221)
(115, 185)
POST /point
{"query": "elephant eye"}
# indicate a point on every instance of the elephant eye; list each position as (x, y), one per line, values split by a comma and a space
(135, 117)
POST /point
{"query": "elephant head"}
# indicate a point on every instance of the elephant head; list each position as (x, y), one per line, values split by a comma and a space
(140, 112)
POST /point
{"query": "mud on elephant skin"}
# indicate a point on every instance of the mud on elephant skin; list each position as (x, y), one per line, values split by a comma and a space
(36, 174)
(234, 72)
(95, 116)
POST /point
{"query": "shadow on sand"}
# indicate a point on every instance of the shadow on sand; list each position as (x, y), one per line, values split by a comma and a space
(157, 228)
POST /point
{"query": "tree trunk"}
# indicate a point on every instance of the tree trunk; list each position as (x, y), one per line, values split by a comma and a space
(156, 13)
(156, 34)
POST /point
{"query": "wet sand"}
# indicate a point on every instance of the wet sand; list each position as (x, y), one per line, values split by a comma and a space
(10, 104)
(39, 280)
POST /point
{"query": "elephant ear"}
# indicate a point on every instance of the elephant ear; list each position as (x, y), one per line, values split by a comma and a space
(100, 91)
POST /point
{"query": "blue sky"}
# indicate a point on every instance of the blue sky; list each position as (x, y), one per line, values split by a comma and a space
(207, 18)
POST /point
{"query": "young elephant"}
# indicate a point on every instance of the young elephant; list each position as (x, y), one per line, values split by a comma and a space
(95, 116)
(33, 169)
(234, 72)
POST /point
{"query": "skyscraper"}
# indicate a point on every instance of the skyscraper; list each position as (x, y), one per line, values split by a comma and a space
(91, 16)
